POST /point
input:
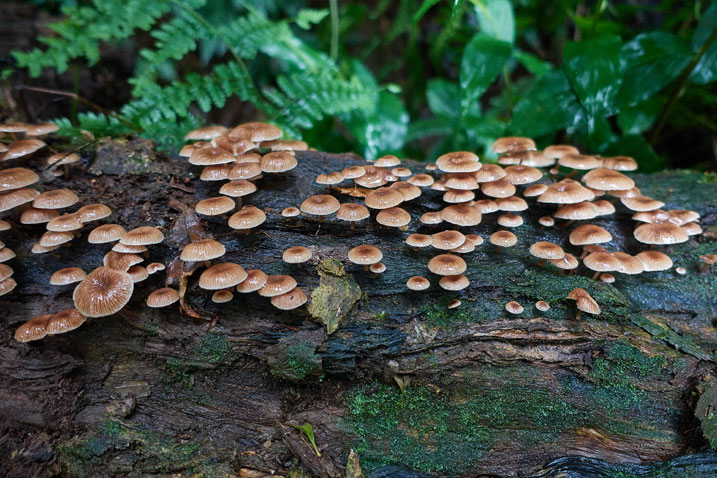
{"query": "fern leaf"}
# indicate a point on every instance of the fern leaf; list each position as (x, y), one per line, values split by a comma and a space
(248, 34)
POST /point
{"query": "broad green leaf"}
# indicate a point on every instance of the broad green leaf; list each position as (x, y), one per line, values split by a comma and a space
(427, 127)
(532, 63)
(444, 97)
(639, 118)
(651, 61)
(548, 106)
(308, 16)
(593, 69)
(482, 61)
(496, 18)
(636, 146)
(383, 130)
(706, 69)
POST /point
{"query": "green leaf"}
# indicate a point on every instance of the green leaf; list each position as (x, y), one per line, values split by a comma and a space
(636, 146)
(532, 63)
(308, 430)
(308, 16)
(444, 97)
(652, 60)
(423, 9)
(496, 19)
(639, 118)
(593, 69)
(548, 106)
(706, 69)
(383, 130)
(483, 59)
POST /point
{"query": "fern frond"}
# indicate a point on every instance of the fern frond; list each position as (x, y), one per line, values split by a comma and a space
(175, 38)
(248, 34)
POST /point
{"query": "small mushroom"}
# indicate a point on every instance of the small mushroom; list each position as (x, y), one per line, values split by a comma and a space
(584, 302)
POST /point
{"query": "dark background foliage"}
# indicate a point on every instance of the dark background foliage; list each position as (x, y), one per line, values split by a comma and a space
(411, 77)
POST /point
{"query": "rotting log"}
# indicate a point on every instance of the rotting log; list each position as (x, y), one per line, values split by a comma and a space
(154, 393)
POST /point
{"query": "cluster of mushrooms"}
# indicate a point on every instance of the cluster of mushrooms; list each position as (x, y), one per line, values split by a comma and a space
(236, 158)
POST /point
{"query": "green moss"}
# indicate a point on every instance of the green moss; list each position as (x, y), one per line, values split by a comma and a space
(213, 347)
(303, 360)
(178, 371)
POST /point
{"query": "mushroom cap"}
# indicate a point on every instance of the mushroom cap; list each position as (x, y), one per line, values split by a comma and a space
(215, 206)
(142, 236)
(566, 192)
(7, 286)
(654, 261)
(641, 203)
(546, 250)
(290, 212)
(237, 188)
(401, 172)
(418, 283)
(4, 225)
(121, 261)
(446, 265)
(691, 228)
(475, 239)
(334, 177)
(607, 180)
(522, 174)
(106, 233)
(278, 162)
(5, 272)
(458, 162)
(535, 159)
(601, 262)
(23, 147)
(589, 234)
(33, 215)
(93, 212)
(567, 262)
(353, 172)
(684, 215)
(39, 249)
(514, 307)
(277, 285)
(465, 248)
(393, 217)
(421, 180)
(33, 329)
(365, 255)
(512, 203)
(13, 127)
(542, 306)
(455, 196)
(462, 181)
(630, 193)
(216, 172)
(56, 199)
(68, 275)
(296, 255)
(205, 133)
(407, 190)
(510, 144)
(604, 207)
(247, 217)
(119, 247)
(503, 239)
(244, 170)
(16, 197)
(454, 282)
(431, 217)
(52, 238)
(210, 156)
(103, 292)
(681, 270)
(387, 161)
(446, 240)
(321, 205)
(607, 278)
(293, 299)
(454, 303)
(576, 212)
(285, 145)
(138, 273)
(535, 190)
(510, 220)
(222, 296)
(162, 297)
(202, 250)
(660, 233)
(352, 212)
(498, 189)
(546, 221)
(620, 163)
(580, 161)
(222, 276)
(15, 178)
(254, 281)
(383, 198)
(486, 206)
(256, 132)
(377, 268)
(489, 173)
(559, 150)
(64, 321)
(155, 267)
(65, 222)
(584, 301)
(461, 215)
(628, 264)
(419, 240)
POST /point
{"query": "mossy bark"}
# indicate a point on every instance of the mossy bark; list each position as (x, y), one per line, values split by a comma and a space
(153, 392)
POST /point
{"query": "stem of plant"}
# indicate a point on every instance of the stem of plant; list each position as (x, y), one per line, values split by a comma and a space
(334, 6)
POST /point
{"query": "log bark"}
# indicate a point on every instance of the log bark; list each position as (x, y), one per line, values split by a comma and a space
(152, 392)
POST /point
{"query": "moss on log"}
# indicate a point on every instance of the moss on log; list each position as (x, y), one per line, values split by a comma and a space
(153, 393)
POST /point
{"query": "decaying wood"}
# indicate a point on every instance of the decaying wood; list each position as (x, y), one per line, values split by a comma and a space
(152, 392)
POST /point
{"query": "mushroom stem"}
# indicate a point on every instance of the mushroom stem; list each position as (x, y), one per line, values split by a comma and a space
(566, 224)
(541, 262)
(703, 267)
(365, 268)
(595, 276)
(571, 174)
(585, 253)
(579, 314)
(353, 225)
(497, 250)
(322, 219)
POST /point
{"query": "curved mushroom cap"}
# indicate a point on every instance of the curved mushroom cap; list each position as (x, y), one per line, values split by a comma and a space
(455, 196)
(365, 255)
(511, 144)
(584, 301)
(222, 276)
(641, 203)
(121, 261)
(654, 261)
(546, 221)
(407, 190)
(683, 215)
(33, 215)
(603, 207)
(512, 203)
(489, 173)
(462, 181)
(290, 300)
(237, 188)
(446, 265)
(510, 220)
(285, 145)
(458, 162)
(628, 264)
(567, 262)
(254, 281)
(162, 297)
(431, 217)
(601, 262)
(138, 273)
(142, 236)
(7, 286)
(542, 306)
(383, 198)
(216, 172)
(23, 147)
(4, 225)
(607, 180)
(418, 283)
(291, 212)
(692, 229)
(498, 189)
(522, 174)
(546, 250)
(5, 272)
(205, 133)
(377, 268)
(210, 156)
(13, 127)
(446, 240)
(64, 321)
(454, 282)
(66, 222)
(33, 329)
(202, 250)
(576, 212)
(580, 161)
(16, 197)
(559, 150)
(215, 206)
(106, 233)
(461, 215)
(620, 163)
(56, 199)
(352, 212)
(93, 212)
(256, 132)
(387, 161)
(475, 239)
(119, 247)
(464, 248)
(248, 217)
(566, 192)
(51, 238)
(68, 275)
(486, 206)
(630, 193)
(278, 162)
(421, 180)
(16, 178)
(155, 267)
(660, 233)
(535, 190)
(589, 234)
(222, 296)
(321, 205)
(607, 278)
(332, 178)
(277, 285)
(38, 249)
(514, 307)
(245, 170)
(235, 146)
(419, 240)
(296, 255)
(393, 217)
(353, 172)
(103, 292)
(503, 239)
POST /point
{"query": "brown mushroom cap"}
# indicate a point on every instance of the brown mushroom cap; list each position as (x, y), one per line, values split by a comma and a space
(321, 205)
(237, 188)
(38, 249)
(106, 233)
(33, 215)
(447, 240)
(8, 285)
(393, 217)
(16, 197)
(419, 240)
(353, 172)
(290, 300)
(446, 265)
(458, 162)
(244, 171)
(285, 145)
(660, 233)
(56, 199)
(475, 239)
(584, 301)
(510, 220)
(210, 156)
(607, 278)
(503, 239)
(65, 321)
(296, 255)
(567, 262)
(580, 161)
(486, 206)
(215, 206)
(51, 238)
(155, 267)
(66, 222)
(332, 178)
(620, 163)
(23, 147)
(103, 292)
(216, 172)
(138, 273)
(4, 225)
(387, 161)
(277, 285)
(222, 276)
(431, 217)
(546, 221)
(542, 306)
(377, 268)
(121, 261)
(489, 173)
(566, 192)
(601, 262)
(418, 283)
(256, 132)
(589, 234)
(162, 297)
(33, 329)
(292, 212)
(630, 193)
(498, 189)
(15, 178)
(421, 180)
(607, 180)
(691, 228)
(465, 248)
(13, 127)
(205, 133)
(93, 212)
(628, 264)
(278, 162)
(352, 212)
(455, 196)
(254, 281)
(454, 282)
(522, 174)
(383, 198)
(5, 272)
(576, 212)
(407, 190)
(461, 215)
(365, 255)
(119, 247)
(248, 217)
(514, 307)
(462, 181)
(546, 250)
(559, 150)
(654, 261)
(202, 250)
(512, 203)
(641, 203)
(683, 215)
(513, 143)
(142, 236)
(68, 275)
(535, 190)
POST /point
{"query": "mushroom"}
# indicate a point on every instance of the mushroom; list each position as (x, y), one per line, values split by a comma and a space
(202, 250)
(514, 308)
(289, 300)
(584, 302)
(247, 219)
(68, 275)
(277, 285)
(222, 296)
(707, 261)
(394, 217)
(418, 283)
(296, 255)
(542, 306)
(365, 255)
(222, 276)
(453, 304)
(64, 321)
(162, 297)
(454, 282)
(103, 292)
(215, 206)
(502, 239)
(33, 329)
(321, 205)
(254, 281)
(545, 250)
